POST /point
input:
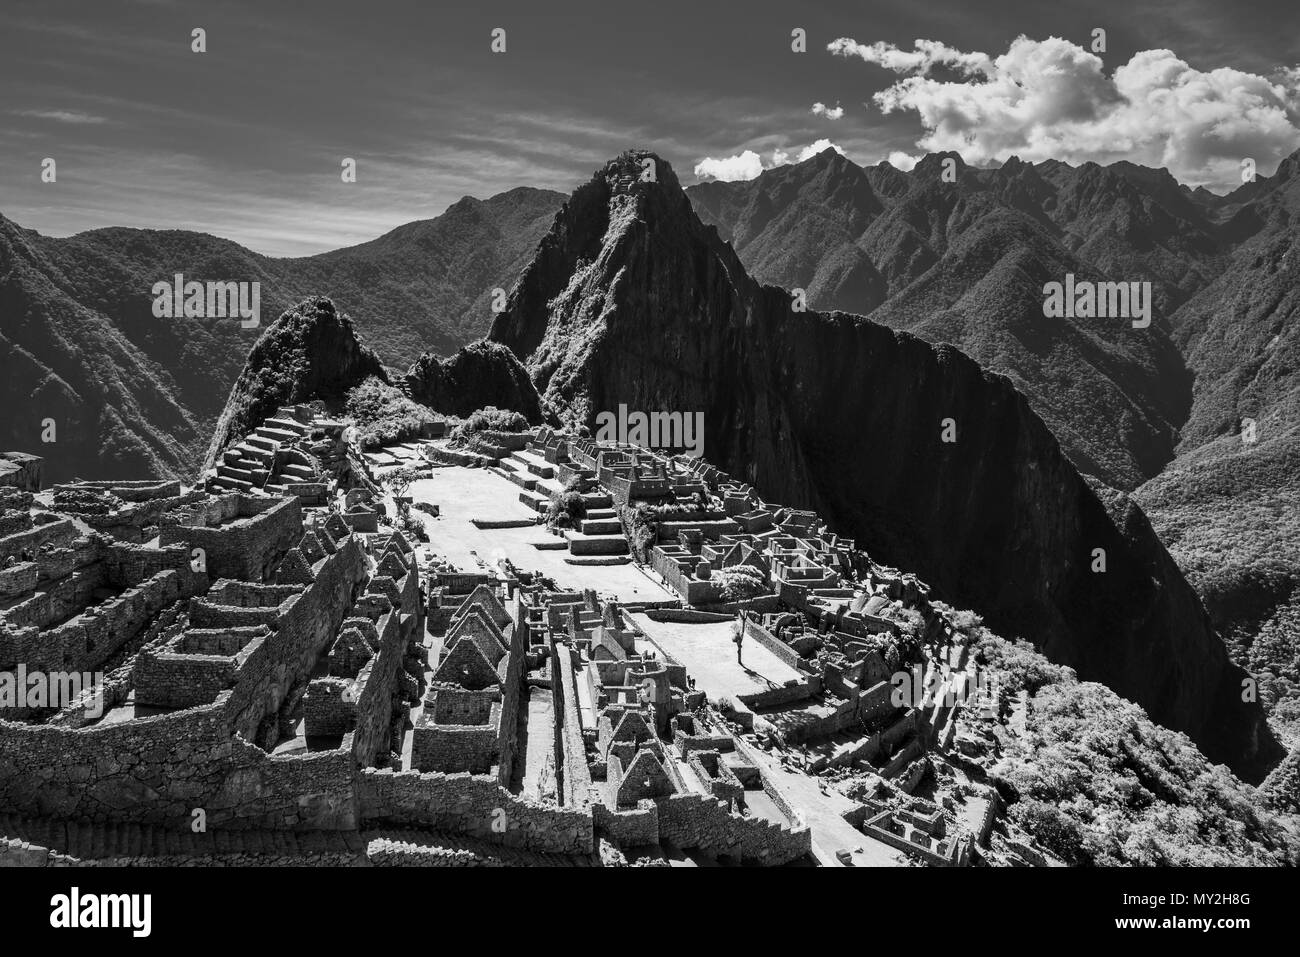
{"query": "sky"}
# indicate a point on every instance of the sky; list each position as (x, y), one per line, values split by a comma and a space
(246, 139)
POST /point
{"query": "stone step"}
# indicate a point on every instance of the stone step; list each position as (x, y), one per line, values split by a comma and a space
(597, 500)
(535, 501)
(594, 514)
(602, 526)
(257, 441)
(522, 479)
(580, 544)
(225, 470)
(303, 472)
(532, 463)
(256, 452)
(275, 435)
(233, 484)
(287, 424)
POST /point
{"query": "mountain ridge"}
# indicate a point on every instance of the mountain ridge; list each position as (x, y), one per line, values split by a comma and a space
(633, 300)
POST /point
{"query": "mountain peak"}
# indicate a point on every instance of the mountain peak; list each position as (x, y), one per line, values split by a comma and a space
(310, 352)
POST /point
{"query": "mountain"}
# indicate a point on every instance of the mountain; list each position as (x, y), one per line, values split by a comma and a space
(134, 395)
(1156, 412)
(965, 262)
(479, 375)
(126, 396)
(1229, 504)
(310, 352)
(632, 299)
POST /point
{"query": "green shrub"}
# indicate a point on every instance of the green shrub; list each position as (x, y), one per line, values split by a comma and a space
(492, 419)
(567, 510)
(740, 582)
(383, 415)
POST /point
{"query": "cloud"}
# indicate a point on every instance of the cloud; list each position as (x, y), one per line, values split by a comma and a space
(928, 54)
(831, 113)
(1053, 99)
(63, 116)
(904, 161)
(748, 165)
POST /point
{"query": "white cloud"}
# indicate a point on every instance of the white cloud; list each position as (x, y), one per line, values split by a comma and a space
(1053, 99)
(904, 161)
(63, 116)
(748, 165)
(928, 54)
(830, 112)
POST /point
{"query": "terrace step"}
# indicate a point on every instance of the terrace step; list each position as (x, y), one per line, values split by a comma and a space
(581, 544)
(233, 484)
(249, 450)
(522, 479)
(229, 471)
(276, 435)
(303, 472)
(597, 560)
(531, 462)
(287, 424)
(257, 441)
(535, 501)
(602, 526)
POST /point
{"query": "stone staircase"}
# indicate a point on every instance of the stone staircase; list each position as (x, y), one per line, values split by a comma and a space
(249, 465)
(600, 534)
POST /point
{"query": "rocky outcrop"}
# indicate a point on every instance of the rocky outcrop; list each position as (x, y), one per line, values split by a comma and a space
(631, 299)
(310, 352)
(482, 374)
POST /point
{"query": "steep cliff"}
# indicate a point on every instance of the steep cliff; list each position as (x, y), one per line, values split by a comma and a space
(631, 299)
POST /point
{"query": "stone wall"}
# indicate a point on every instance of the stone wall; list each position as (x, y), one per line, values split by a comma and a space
(168, 679)
(305, 626)
(376, 688)
(253, 534)
(159, 769)
(94, 636)
(697, 820)
(628, 827)
(328, 707)
(465, 804)
(466, 747)
(570, 752)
